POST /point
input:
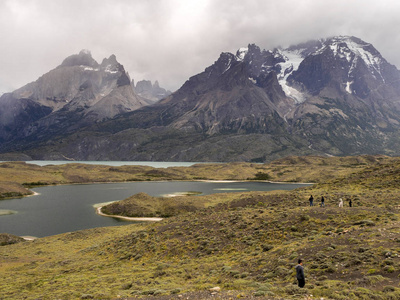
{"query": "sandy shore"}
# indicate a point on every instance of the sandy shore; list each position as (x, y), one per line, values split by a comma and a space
(98, 211)
(29, 238)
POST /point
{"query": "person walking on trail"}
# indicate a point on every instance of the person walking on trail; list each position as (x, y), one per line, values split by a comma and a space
(340, 202)
(311, 199)
(300, 273)
(350, 203)
(322, 201)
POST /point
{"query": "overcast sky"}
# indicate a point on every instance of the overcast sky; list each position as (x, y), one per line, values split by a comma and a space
(171, 40)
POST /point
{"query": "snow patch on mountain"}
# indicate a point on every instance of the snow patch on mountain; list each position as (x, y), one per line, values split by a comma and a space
(228, 65)
(111, 69)
(86, 68)
(348, 89)
(241, 53)
(292, 62)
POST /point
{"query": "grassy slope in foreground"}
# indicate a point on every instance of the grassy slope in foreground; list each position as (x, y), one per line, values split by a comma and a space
(247, 245)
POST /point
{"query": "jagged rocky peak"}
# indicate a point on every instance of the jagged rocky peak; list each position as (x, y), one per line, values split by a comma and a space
(220, 66)
(143, 85)
(260, 63)
(111, 65)
(111, 61)
(307, 68)
(224, 62)
(153, 92)
(84, 58)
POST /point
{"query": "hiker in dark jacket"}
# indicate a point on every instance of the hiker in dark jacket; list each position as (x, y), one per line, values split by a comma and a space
(300, 273)
(311, 199)
(322, 201)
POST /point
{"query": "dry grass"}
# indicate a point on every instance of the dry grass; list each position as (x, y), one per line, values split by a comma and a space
(245, 243)
(291, 169)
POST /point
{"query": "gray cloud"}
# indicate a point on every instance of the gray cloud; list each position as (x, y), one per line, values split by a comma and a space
(171, 40)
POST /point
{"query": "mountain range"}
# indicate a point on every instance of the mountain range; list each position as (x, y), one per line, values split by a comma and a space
(334, 96)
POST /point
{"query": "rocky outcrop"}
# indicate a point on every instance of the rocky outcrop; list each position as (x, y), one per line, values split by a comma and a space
(8, 239)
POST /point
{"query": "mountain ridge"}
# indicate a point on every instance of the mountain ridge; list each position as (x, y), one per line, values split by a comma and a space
(334, 96)
(75, 94)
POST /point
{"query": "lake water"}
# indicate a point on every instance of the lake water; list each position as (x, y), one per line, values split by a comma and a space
(66, 208)
(154, 164)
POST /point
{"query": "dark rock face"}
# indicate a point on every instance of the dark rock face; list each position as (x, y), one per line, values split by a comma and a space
(16, 114)
(336, 96)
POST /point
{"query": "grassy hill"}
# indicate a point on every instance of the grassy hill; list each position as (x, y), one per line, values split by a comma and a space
(16, 177)
(247, 244)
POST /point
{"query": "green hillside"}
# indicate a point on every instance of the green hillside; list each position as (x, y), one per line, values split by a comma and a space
(246, 244)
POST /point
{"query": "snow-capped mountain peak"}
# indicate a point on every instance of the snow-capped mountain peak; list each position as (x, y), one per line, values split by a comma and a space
(354, 50)
(350, 55)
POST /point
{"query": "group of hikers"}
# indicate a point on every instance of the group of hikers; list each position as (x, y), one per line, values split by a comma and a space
(299, 268)
(311, 199)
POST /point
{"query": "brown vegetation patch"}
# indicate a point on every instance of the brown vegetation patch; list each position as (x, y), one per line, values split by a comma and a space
(8, 239)
(143, 205)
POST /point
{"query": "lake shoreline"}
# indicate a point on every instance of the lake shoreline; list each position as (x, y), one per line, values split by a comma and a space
(155, 181)
(78, 202)
(140, 219)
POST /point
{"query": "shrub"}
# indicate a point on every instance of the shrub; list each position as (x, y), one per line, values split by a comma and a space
(281, 271)
(175, 291)
(365, 223)
(267, 247)
(387, 262)
(331, 269)
(388, 289)
(294, 289)
(126, 286)
(304, 217)
(362, 249)
(389, 269)
(159, 292)
(259, 293)
(264, 287)
(262, 176)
